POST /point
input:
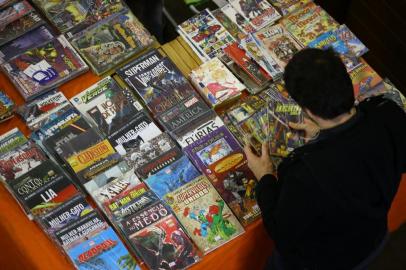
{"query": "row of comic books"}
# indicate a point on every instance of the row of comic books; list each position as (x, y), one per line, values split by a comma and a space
(46, 193)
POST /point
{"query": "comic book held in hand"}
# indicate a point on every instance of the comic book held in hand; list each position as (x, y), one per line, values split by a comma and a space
(216, 83)
(112, 41)
(204, 214)
(220, 157)
(364, 78)
(43, 188)
(106, 105)
(288, 6)
(44, 67)
(11, 140)
(158, 237)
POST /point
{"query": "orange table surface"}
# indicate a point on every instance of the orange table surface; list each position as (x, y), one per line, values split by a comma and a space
(23, 245)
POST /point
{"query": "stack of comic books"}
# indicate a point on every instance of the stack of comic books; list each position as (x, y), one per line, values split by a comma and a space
(6, 107)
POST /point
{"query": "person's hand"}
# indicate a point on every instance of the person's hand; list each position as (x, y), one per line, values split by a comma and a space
(310, 128)
(259, 165)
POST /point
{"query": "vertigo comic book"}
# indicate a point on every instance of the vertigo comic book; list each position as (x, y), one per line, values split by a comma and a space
(20, 160)
(204, 215)
(43, 188)
(259, 13)
(44, 67)
(150, 157)
(140, 129)
(112, 41)
(106, 105)
(364, 78)
(11, 140)
(172, 177)
(216, 83)
(242, 23)
(65, 214)
(71, 17)
(221, 159)
(157, 236)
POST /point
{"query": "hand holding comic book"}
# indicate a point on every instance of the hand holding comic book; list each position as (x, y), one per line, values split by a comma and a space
(310, 128)
(259, 165)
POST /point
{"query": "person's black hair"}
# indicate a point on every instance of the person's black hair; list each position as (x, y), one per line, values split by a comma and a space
(318, 81)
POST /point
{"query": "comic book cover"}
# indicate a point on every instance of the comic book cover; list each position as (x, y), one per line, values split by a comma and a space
(151, 156)
(106, 105)
(288, 6)
(364, 78)
(14, 12)
(157, 236)
(220, 157)
(48, 115)
(43, 188)
(71, 17)
(216, 83)
(140, 129)
(277, 43)
(239, 56)
(207, 33)
(259, 13)
(44, 67)
(232, 128)
(229, 24)
(157, 81)
(6, 107)
(112, 41)
(65, 214)
(20, 26)
(235, 17)
(183, 114)
(351, 41)
(171, 177)
(20, 160)
(131, 204)
(204, 214)
(11, 140)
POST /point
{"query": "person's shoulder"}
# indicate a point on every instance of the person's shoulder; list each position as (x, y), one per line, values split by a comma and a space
(381, 107)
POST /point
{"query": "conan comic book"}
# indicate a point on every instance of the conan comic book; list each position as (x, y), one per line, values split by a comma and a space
(157, 236)
(106, 105)
(44, 67)
(151, 156)
(259, 13)
(11, 140)
(43, 188)
(238, 19)
(277, 43)
(288, 6)
(6, 107)
(28, 41)
(220, 157)
(112, 41)
(351, 41)
(65, 214)
(157, 81)
(140, 129)
(19, 160)
(71, 17)
(364, 78)
(216, 83)
(207, 34)
(172, 177)
(204, 214)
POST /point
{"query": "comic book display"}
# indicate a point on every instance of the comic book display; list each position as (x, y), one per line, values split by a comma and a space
(44, 67)
(204, 214)
(220, 157)
(159, 239)
(111, 41)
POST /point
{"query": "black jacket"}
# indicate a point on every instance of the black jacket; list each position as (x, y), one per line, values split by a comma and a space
(328, 208)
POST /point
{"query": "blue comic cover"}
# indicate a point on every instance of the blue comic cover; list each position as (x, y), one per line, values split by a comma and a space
(104, 251)
(351, 41)
(173, 176)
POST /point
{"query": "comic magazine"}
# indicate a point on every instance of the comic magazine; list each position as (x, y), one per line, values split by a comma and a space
(19, 160)
(112, 41)
(364, 78)
(172, 177)
(235, 17)
(11, 140)
(228, 23)
(106, 105)
(288, 6)
(259, 13)
(233, 129)
(216, 83)
(204, 214)
(140, 129)
(277, 43)
(151, 156)
(351, 41)
(43, 188)
(220, 157)
(157, 81)
(71, 17)
(28, 41)
(48, 115)
(131, 204)
(157, 236)
(6, 107)
(207, 34)
(14, 12)
(44, 67)
(65, 214)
